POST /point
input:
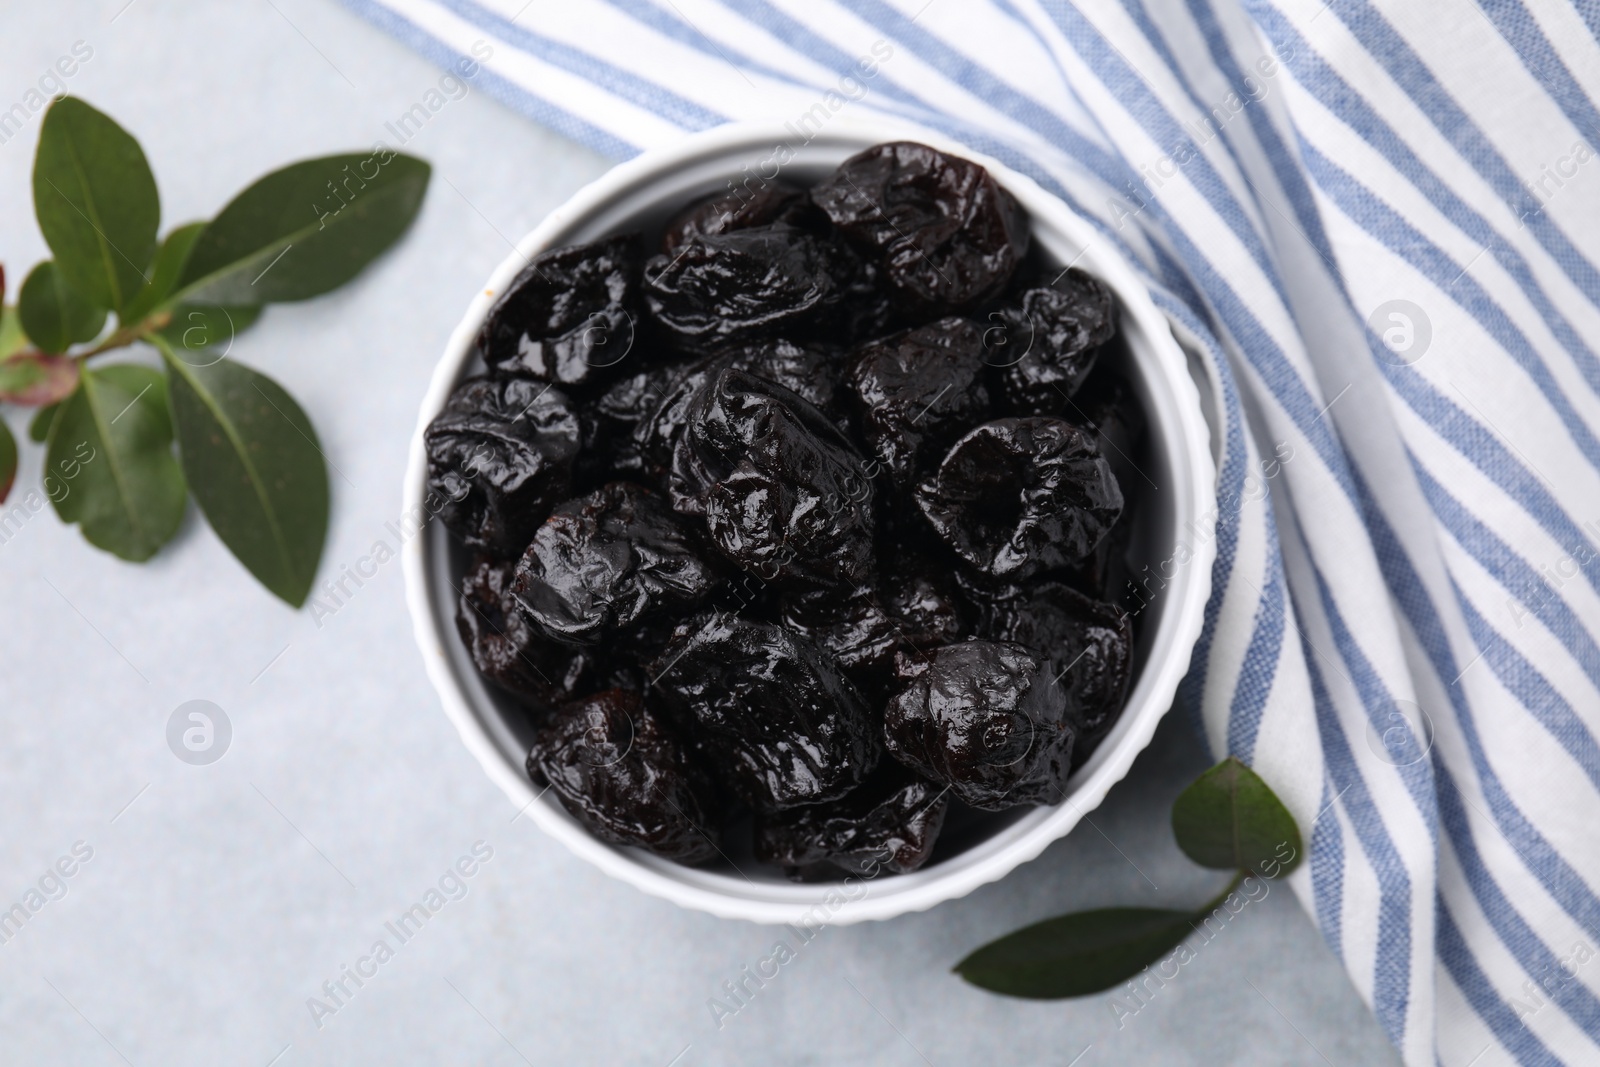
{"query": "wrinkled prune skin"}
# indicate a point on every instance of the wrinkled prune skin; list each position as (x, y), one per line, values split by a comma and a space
(865, 628)
(917, 391)
(1048, 343)
(569, 315)
(1088, 643)
(864, 480)
(1107, 403)
(507, 650)
(924, 600)
(772, 714)
(751, 204)
(656, 437)
(502, 454)
(887, 825)
(781, 489)
(986, 719)
(946, 235)
(614, 417)
(1021, 495)
(745, 285)
(854, 628)
(809, 370)
(601, 563)
(618, 770)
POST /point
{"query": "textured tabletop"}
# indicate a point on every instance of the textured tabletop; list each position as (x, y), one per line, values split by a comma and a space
(208, 904)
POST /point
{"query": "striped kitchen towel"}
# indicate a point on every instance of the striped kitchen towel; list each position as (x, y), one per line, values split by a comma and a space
(1374, 224)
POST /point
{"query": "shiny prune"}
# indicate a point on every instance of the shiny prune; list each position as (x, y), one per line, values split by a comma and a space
(854, 628)
(1018, 496)
(947, 236)
(781, 489)
(917, 391)
(1108, 405)
(603, 562)
(751, 203)
(807, 369)
(745, 285)
(507, 650)
(1048, 343)
(1089, 644)
(570, 314)
(611, 427)
(1107, 402)
(864, 628)
(619, 770)
(771, 713)
(855, 485)
(924, 601)
(501, 453)
(985, 718)
(886, 825)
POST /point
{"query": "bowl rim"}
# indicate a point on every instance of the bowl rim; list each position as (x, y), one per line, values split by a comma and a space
(1192, 490)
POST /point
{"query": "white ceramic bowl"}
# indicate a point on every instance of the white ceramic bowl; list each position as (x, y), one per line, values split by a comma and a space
(640, 194)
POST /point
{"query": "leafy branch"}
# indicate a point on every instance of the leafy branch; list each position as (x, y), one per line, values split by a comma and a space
(244, 448)
(1228, 818)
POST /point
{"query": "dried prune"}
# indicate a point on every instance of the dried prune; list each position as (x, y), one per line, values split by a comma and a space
(618, 770)
(656, 436)
(864, 628)
(853, 627)
(601, 563)
(1089, 644)
(610, 441)
(986, 719)
(772, 714)
(834, 451)
(947, 236)
(923, 600)
(507, 650)
(809, 370)
(569, 314)
(501, 452)
(752, 203)
(745, 285)
(1021, 495)
(1045, 345)
(887, 825)
(1107, 402)
(781, 489)
(917, 391)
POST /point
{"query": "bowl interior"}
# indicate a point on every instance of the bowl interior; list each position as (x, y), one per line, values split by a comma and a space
(643, 202)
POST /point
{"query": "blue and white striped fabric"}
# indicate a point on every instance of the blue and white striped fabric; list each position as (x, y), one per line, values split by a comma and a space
(1375, 225)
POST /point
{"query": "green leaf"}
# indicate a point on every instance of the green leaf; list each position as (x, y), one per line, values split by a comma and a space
(255, 467)
(109, 465)
(54, 315)
(39, 428)
(305, 229)
(1075, 955)
(8, 461)
(12, 339)
(34, 378)
(96, 201)
(202, 335)
(1229, 818)
(170, 259)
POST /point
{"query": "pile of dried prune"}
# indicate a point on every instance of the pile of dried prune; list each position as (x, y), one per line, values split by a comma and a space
(809, 527)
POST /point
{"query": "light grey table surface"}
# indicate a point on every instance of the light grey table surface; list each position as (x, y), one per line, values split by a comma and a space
(219, 898)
